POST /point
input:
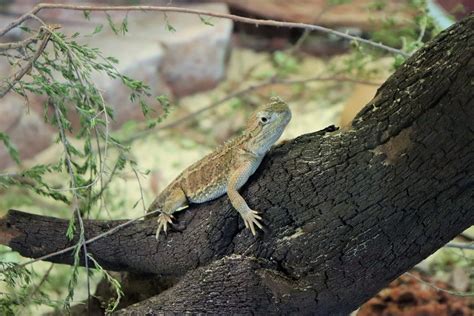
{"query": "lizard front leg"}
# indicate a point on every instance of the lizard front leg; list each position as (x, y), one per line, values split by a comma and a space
(237, 179)
(175, 201)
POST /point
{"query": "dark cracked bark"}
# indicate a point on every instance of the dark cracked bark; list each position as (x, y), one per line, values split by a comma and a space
(345, 212)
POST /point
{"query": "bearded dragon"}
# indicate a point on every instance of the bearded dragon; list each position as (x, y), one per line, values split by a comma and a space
(226, 169)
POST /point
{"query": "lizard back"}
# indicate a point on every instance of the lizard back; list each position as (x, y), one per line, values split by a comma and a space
(207, 178)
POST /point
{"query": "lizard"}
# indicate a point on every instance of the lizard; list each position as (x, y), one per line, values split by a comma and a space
(226, 169)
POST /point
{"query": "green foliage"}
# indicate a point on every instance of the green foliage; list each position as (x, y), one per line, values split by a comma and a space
(11, 274)
(236, 103)
(337, 2)
(398, 61)
(87, 14)
(166, 108)
(118, 28)
(12, 151)
(34, 179)
(285, 63)
(75, 271)
(411, 34)
(205, 20)
(12, 277)
(98, 29)
(357, 62)
(71, 88)
(65, 75)
(168, 26)
(377, 5)
(16, 281)
(113, 303)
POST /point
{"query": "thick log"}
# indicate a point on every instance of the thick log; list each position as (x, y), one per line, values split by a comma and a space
(345, 212)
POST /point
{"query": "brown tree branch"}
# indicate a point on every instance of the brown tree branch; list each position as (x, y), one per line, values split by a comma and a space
(43, 6)
(10, 83)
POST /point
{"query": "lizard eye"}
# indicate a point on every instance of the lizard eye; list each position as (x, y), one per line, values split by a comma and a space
(263, 119)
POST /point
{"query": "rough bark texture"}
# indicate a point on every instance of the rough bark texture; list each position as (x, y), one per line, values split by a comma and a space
(345, 212)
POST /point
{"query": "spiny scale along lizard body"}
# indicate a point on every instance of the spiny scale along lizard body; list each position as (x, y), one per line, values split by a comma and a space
(226, 169)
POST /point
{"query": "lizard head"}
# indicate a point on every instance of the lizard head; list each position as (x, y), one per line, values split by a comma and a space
(267, 124)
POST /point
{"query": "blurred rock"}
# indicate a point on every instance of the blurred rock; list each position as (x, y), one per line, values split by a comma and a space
(175, 63)
(191, 59)
(26, 129)
(196, 53)
(138, 59)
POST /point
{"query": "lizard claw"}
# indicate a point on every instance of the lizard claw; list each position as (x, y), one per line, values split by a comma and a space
(163, 220)
(251, 219)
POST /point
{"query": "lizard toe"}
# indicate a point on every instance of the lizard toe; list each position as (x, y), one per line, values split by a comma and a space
(257, 223)
(163, 220)
(158, 230)
(252, 228)
(251, 220)
(255, 219)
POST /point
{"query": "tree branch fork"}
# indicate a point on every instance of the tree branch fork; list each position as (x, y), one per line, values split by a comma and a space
(345, 211)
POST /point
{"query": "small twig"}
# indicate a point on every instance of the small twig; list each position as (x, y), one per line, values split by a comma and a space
(233, 17)
(23, 70)
(307, 32)
(73, 58)
(75, 201)
(35, 17)
(105, 183)
(20, 44)
(239, 93)
(142, 198)
(14, 57)
(102, 167)
(37, 287)
(456, 293)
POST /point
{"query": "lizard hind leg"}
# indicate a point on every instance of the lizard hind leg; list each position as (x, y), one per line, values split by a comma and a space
(175, 201)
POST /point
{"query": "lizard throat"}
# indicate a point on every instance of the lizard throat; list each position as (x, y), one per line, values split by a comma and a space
(260, 141)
